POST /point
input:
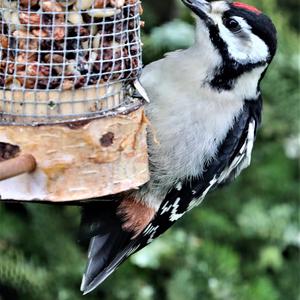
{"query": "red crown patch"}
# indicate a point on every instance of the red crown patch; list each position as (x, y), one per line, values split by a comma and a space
(247, 7)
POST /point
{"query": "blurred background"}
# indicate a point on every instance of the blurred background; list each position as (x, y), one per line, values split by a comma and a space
(242, 243)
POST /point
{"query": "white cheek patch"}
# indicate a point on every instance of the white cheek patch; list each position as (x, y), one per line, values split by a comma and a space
(244, 47)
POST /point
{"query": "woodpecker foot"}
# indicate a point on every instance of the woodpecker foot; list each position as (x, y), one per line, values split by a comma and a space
(135, 215)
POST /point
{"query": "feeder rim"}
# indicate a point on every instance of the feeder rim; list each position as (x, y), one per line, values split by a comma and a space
(124, 109)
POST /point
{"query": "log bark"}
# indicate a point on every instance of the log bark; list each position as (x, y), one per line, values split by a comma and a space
(77, 161)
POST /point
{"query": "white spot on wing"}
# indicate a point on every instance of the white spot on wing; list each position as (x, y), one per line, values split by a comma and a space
(174, 215)
(173, 209)
(150, 231)
(179, 186)
(166, 208)
(249, 148)
(197, 201)
(243, 159)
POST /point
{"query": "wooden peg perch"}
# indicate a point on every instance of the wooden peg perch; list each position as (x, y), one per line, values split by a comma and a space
(25, 163)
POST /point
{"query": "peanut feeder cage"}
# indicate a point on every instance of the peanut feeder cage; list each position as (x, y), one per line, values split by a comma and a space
(70, 127)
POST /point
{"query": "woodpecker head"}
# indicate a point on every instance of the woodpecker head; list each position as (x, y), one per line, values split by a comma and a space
(240, 37)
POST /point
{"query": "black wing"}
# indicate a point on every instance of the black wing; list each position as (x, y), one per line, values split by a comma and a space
(114, 245)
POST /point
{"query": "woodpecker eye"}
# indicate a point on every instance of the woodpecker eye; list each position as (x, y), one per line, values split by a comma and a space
(232, 24)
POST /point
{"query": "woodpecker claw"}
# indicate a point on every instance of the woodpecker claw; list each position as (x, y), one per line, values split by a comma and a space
(142, 92)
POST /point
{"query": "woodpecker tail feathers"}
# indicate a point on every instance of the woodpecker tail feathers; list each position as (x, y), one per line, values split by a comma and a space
(103, 229)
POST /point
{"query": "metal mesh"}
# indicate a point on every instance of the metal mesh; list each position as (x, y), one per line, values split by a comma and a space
(67, 59)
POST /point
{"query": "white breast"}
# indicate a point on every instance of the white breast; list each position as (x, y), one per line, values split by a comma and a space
(188, 119)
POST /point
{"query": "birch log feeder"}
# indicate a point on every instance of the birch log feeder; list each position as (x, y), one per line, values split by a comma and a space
(74, 161)
(70, 126)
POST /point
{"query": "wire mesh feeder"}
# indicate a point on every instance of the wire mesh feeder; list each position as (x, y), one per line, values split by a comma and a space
(66, 59)
(64, 65)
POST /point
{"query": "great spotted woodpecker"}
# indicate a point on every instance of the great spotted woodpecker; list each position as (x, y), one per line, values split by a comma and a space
(205, 109)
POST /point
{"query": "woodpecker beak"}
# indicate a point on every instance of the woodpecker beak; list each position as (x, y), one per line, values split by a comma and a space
(200, 7)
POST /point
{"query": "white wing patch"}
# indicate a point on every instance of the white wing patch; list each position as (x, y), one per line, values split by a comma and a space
(174, 213)
(150, 231)
(179, 186)
(197, 201)
(174, 216)
(243, 159)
